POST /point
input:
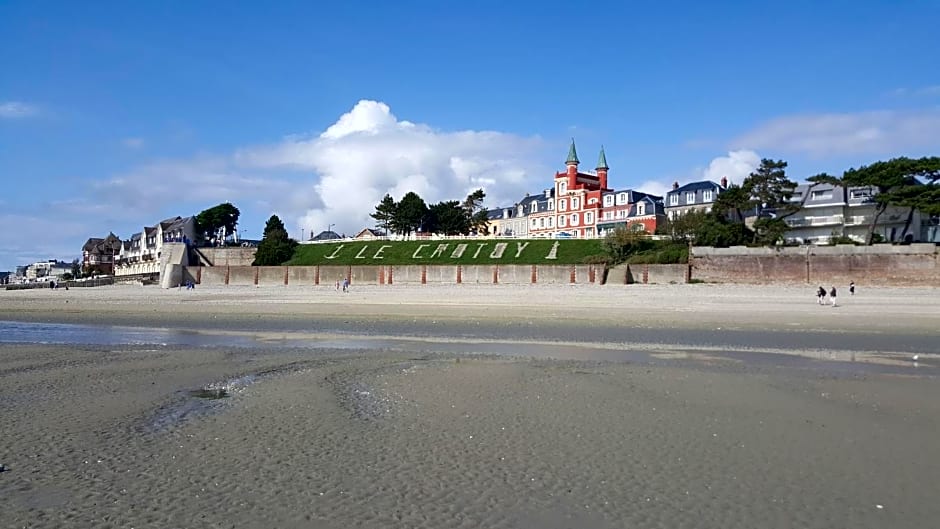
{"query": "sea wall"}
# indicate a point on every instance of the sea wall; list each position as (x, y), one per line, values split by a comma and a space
(909, 265)
(392, 275)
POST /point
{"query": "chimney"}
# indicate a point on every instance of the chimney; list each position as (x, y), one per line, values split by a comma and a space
(548, 193)
(724, 181)
(675, 185)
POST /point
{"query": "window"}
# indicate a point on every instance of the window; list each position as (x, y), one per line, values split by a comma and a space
(561, 221)
(588, 218)
(521, 210)
(562, 205)
(534, 223)
(860, 194)
(674, 199)
(608, 200)
(608, 215)
(592, 201)
(707, 195)
(542, 222)
(574, 219)
(562, 187)
(535, 207)
(641, 209)
(821, 194)
(551, 222)
(690, 197)
(551, 205)
(574, 203)
(622, 198)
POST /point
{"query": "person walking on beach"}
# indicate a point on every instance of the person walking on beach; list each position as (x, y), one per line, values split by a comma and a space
(821, 295)
(346, 284)
(851, 288)
(832, 296)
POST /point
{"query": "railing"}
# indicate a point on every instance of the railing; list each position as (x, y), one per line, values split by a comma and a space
(815, 221)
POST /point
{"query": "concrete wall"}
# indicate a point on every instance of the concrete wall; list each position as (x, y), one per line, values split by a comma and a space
(916, 264)
(648, 274)
(227, 256)
(394, 275)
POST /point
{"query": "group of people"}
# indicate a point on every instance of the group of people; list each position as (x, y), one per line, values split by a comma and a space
(821, 294)
(344, 283)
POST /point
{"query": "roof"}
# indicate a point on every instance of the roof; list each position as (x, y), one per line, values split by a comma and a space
(326, 236)
(572, 154)
(696, 188)
(602, 160)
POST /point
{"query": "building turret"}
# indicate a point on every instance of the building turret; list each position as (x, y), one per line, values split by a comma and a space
(572, 163)
(602, 169)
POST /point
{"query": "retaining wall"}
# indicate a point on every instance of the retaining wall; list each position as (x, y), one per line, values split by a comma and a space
(910, 265)
(392, 275)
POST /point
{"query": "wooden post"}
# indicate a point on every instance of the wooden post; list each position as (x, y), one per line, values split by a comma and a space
(286, 273)
(495, 274)
(316, 276)
(424, 274)
(257, 269)
(535, 274)
(228, 272)
(199, 275)
(459, 274)
(573, 275)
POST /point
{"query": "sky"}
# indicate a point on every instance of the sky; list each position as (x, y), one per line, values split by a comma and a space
(116, 115)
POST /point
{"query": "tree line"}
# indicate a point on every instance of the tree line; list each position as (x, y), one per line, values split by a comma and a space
(450, 217)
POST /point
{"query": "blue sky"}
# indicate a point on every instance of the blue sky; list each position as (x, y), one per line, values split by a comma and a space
(115, 115)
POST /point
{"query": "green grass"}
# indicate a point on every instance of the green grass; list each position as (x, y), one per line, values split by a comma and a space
(476, 251)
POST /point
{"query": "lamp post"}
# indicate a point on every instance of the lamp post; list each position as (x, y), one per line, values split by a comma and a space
(329, 227)
(301, 235)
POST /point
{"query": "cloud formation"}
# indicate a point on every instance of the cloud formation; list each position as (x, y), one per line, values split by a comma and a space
(17, 109)
(369, 152)
(892, 133)
(736, 166)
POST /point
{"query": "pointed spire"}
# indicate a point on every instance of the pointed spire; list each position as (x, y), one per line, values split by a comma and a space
(572, 155)
(602, 160)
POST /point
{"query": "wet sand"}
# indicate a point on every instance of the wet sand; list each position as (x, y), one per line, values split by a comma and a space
(380, 436)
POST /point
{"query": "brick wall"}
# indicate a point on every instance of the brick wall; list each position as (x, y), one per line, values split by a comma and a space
(912, 265)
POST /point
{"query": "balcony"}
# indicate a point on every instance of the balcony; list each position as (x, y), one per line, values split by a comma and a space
(830, 220)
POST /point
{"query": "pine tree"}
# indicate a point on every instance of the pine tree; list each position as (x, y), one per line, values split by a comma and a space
(275, 248)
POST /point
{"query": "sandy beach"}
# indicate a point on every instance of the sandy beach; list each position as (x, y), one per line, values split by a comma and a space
(470, 406)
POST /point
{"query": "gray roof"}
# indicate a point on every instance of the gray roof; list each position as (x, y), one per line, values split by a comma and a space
(693, 187)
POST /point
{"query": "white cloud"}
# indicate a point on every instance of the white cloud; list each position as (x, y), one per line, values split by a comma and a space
(864, 133)
(16, 109)
(369, 152)
(736, 166)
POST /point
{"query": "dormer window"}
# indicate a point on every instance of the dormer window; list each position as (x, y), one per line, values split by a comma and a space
(608, 200)
(674, 199)
(707, 195)
(641, 209)
(690, 197)
(622, 198)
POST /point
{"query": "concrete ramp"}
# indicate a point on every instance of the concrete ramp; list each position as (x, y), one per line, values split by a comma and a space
(173, 258)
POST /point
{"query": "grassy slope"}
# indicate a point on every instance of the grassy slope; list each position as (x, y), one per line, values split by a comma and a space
(534, 251)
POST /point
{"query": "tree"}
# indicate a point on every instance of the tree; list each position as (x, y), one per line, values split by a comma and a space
(76, 268)
(770, 190)
(476, 213)
(385, 213)
(733, 202)
(447, 218)
(889, 178)
(410, 214)
(623, 241)
(275, 247)
(210, 221)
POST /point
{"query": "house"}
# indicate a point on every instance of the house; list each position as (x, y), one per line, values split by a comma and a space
(694, 196)
(628, 208)
(369, 234)
(47, 270)
(99, 255)
(326, 236)
(506, 222)
(828, 211)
